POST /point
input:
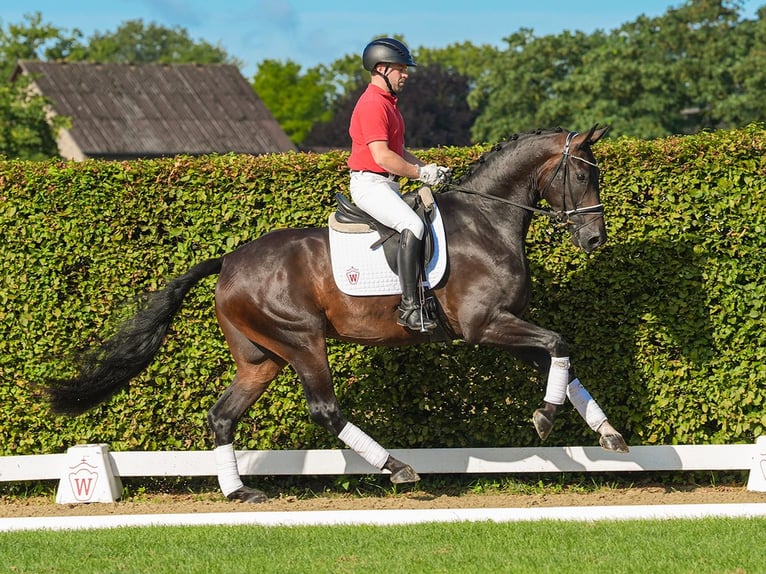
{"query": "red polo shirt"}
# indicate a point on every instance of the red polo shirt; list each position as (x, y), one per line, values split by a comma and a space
(375, 118)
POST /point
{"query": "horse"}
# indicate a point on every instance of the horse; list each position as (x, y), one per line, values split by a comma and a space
(277, 303)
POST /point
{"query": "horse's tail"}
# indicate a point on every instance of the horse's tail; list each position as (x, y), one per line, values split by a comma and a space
(109, 368)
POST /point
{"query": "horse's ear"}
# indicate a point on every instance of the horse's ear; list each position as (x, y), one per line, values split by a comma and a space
(596, 134)
(591, 137)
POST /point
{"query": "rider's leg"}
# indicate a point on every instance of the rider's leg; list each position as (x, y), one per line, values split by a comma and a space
(412, 313)
(379, 196)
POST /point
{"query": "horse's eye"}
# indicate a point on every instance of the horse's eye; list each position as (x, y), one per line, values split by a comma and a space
(581, 177)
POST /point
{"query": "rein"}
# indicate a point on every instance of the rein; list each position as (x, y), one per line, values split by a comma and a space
(548, 212)
(561, 217)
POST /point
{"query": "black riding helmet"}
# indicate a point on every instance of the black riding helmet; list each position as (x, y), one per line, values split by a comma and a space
(386, 51)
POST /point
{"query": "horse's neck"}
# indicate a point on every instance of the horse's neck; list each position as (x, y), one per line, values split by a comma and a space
(512, 181)
(506, 222)
(510, 174)
(501, 187)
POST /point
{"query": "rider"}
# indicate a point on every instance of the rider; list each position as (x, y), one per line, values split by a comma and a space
(378, 158)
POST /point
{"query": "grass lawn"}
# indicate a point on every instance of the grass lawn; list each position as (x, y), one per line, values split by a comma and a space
(711, 545)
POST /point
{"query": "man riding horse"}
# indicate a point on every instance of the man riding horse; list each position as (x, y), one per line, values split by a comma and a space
(378, 158)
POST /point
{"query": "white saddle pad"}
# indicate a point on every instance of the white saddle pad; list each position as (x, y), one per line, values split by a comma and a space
(359, 270)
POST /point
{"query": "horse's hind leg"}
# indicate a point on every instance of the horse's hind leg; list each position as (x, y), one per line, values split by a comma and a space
(324, 409)
(255, 371)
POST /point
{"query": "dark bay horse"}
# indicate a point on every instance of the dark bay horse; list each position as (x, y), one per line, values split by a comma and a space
(277, 302)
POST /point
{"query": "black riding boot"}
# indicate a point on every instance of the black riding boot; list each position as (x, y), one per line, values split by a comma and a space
(411, 313)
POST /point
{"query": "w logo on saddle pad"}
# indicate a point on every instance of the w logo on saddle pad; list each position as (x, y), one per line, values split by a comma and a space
(360, 267)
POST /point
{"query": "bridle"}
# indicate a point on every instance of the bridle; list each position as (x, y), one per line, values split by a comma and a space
(562, 217)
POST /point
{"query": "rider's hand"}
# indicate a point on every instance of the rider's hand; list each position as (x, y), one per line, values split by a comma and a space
(433, 174)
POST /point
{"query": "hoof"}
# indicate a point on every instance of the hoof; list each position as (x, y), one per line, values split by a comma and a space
(543, 425)
(405, 475)
(250, 495)
(614, 443)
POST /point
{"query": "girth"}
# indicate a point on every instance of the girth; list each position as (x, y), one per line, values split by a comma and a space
(352, 218)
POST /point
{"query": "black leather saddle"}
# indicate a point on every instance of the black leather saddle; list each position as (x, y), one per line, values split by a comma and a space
(420, 201)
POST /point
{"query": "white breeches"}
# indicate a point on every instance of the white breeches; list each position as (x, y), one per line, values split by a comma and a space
(379, 196)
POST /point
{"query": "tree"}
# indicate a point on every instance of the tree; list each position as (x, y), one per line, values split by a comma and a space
(468, 60)
(24, 131)
(709, 43)
(746, 100)
(136, 42)
(342, 76)
(513, 94)
(687, 70)
(298, 101)
(302, 101)
(433, 105)
(665, 75)
(29, 40)
(333, 133)
(435, 108)
(313, 106)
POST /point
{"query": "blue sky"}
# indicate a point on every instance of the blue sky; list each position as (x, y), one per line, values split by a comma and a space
(311, 32)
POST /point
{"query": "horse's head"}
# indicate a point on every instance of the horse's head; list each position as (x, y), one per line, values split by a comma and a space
(568, 181)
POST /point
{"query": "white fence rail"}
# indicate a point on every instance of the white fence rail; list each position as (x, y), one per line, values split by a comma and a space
(425, 461)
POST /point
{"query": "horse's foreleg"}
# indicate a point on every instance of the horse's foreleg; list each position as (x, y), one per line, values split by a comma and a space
(549, 353)
(325, 410)
(596, 419)
(555, 395)
(545, 350)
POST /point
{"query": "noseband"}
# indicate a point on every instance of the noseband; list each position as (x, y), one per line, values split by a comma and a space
(562, 217)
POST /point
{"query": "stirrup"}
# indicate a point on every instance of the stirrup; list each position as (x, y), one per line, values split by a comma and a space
(416, 318)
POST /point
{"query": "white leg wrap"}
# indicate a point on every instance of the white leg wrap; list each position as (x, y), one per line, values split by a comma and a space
(558, 378)
(585, 405)
(228, 474)
(367, 448)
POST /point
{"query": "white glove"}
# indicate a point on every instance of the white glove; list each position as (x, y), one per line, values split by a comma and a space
(433, 174)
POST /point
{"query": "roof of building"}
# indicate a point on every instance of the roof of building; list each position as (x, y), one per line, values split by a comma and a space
(146, 110)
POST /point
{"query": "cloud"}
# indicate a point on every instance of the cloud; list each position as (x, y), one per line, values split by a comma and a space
(175, 12)
(277, 15)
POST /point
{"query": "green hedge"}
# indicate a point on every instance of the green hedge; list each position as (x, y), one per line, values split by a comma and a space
(665, 321)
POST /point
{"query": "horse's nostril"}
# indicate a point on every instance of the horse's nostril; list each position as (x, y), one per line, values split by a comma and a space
(593, 242)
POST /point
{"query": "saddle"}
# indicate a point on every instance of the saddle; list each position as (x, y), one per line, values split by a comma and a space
(348, 218)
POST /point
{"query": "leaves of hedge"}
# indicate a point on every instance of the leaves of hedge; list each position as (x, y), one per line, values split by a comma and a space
(665, 322)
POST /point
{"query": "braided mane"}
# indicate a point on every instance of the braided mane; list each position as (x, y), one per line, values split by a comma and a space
(513, 139)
